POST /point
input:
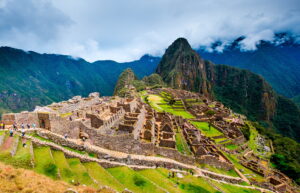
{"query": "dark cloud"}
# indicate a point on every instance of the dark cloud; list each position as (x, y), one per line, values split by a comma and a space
(125, 30)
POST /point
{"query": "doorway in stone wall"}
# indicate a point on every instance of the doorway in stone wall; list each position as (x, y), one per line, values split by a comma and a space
(44, 121)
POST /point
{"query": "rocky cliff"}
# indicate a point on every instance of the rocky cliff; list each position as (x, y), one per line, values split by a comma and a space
(181, 67)
(243, 91)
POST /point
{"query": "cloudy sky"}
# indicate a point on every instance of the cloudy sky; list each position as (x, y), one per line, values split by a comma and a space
(124, 30)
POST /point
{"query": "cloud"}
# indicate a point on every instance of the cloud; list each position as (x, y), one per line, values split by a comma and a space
(125, 30)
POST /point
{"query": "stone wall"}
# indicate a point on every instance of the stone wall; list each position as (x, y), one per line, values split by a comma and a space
(214, 161)
(174, 154)
(26, 117)
(123, 143)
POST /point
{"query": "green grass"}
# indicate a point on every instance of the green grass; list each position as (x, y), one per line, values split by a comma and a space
(133, 180)
(189, 183)
(66, 147)
(231, 146)
(154, 101)
(44, 164)
(219, 171)
(22, 158)
(181, 144)
(160, 180)
(63, 166)
(81, 175)
(203, 127)
(102, 176)
(227, 188)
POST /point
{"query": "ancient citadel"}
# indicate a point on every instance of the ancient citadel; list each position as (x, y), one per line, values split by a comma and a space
(129, 131)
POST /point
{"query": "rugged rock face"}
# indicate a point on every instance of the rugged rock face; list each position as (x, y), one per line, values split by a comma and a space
(181, 67)
(242, 90)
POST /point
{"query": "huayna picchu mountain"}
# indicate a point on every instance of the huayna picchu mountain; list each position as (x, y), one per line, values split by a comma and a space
(243, 91)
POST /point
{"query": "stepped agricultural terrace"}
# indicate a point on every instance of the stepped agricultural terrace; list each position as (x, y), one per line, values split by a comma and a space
(133, 133)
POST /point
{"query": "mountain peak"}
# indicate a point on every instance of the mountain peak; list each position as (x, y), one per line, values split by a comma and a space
(180, 44)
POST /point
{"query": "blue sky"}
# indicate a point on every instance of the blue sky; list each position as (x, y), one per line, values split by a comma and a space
(124, 30)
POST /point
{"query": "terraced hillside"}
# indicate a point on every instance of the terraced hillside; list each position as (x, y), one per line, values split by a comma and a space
(54, 164)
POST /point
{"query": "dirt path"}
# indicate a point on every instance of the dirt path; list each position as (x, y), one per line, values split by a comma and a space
(7, 143)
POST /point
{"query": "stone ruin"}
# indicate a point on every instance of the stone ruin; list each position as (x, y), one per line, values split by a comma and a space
(164, 131)
(204, 149)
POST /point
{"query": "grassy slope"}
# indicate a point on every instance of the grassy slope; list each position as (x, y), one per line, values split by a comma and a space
(22, 180)
(5, 149)
(227, 188)
(154, 101)
(160, 180)
(181, 144)
(65, 171)
(44, 163)
(80, 173)
(133, 181)
(189, 184)
(22, 157)
(203, 126)
(102, 176)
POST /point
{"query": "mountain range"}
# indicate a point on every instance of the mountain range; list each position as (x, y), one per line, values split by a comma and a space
(278, 61)
(29, 78)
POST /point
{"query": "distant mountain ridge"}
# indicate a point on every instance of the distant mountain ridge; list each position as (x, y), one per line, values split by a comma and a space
(29, 78)
(278, 61)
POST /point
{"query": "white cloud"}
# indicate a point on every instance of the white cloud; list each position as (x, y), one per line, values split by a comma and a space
(125, 30)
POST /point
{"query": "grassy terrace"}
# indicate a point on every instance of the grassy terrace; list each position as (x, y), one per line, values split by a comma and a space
(133, 181)
(44, 163)
(161, 180)
(189, 184)
(181, 144)
(102, 176)
(158, 103)
(219, 171)
(63, 166)
(204, 128)
(80, 173)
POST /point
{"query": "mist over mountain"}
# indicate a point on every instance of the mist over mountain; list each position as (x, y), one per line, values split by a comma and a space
(278, 61)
